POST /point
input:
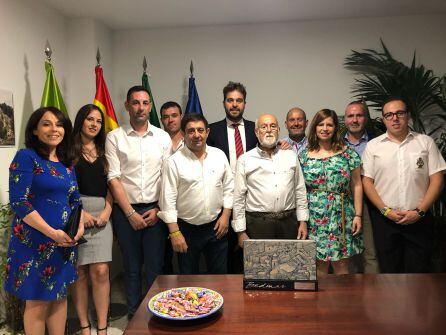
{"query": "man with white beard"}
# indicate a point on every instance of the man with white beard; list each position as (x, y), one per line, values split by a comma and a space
(270, 199)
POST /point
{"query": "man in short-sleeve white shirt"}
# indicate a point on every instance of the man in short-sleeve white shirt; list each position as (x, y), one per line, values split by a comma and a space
(403, 176)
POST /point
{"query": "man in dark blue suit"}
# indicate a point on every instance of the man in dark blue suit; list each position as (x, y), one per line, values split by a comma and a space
(223, 133)
(234, 135)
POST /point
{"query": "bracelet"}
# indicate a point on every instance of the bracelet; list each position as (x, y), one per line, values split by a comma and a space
(128, 215)
(359, 216)
(385, 211)
(175, 234)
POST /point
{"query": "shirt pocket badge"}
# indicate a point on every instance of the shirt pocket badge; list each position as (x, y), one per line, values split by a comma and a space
(420, 163)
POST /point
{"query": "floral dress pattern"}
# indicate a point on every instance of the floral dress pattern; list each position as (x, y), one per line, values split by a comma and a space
(36, 268)
(330, 203)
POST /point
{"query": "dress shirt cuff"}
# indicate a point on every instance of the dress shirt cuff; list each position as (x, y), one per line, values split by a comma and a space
(111, 176)
(168, 216)
(302, 214)
(239, 225)
(228, 202)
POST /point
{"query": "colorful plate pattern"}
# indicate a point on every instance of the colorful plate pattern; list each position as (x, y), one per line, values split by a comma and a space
(185, 303)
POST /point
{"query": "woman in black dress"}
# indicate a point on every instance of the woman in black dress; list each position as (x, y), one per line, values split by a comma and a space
(88, 146)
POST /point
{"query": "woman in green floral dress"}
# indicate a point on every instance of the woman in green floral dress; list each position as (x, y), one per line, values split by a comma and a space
(332, 176)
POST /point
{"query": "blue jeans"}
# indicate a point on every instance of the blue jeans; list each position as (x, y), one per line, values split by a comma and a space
(138, 247)
(201, 239)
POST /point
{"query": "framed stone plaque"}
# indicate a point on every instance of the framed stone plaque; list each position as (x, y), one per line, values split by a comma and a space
(279, 265)
(7, 131)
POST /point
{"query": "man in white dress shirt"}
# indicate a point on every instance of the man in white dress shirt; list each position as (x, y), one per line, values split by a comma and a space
(135, 154)
(196, 199)
(171, 115)
(270, 199)
(403, 176)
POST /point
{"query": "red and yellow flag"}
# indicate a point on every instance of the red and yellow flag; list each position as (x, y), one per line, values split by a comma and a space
(103, 101)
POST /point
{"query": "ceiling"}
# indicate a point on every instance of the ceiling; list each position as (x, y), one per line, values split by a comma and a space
(141, 14)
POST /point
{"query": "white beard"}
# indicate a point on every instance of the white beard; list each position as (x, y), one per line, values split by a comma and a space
(269, 142)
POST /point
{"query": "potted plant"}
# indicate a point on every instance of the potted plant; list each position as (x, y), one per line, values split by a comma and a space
(12, 313)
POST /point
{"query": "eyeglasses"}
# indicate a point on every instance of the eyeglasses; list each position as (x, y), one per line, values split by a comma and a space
(272, 127)
(390, 115)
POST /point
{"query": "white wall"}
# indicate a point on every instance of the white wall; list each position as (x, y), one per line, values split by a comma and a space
(85, 36)
(281, 64)
(25, 28)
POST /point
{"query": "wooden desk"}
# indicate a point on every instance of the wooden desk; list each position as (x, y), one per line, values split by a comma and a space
(351, 304)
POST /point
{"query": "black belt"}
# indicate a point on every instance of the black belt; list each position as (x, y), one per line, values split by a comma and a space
(272, 215)
(142, 205)
(196, 226)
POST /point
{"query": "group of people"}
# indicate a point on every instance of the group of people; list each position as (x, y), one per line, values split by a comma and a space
(202, 189)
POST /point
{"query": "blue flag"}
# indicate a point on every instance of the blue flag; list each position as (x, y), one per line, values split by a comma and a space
(193, 102)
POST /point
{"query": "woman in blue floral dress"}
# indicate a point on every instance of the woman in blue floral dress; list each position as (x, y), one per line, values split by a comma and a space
(332, 176)
(42, 258)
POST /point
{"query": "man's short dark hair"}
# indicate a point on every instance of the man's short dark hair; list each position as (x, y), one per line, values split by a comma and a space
(137, 88)
(193, 117)
(363, 105)
(233, 86)
(394, 98)
(170, 104)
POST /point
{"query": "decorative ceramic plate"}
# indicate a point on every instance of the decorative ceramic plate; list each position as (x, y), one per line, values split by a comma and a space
(185, 303)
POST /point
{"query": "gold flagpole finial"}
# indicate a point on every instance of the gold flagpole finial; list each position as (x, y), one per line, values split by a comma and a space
(48, 51)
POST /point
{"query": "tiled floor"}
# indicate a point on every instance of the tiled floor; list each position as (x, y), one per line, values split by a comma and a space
(118, 312)
(117, 308)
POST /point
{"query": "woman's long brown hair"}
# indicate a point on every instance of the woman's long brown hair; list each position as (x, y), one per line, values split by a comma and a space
(337, 142)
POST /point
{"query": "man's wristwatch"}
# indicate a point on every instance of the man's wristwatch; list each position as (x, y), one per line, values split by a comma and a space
(420, 212)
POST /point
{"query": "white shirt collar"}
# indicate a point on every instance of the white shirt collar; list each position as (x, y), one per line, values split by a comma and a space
(129, 129)
(230, 123)
(387, 138)
(191, 154)
(263, 153)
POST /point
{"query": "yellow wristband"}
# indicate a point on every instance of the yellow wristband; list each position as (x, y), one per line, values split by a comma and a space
(175, 234)
(387, 211)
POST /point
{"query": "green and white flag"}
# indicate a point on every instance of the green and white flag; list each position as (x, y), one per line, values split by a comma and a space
(51, 96)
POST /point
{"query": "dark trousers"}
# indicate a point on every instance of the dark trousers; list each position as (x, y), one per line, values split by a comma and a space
(201, 239)
(138, 247)
(402, 248)
(235, 253)
(271, 228)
